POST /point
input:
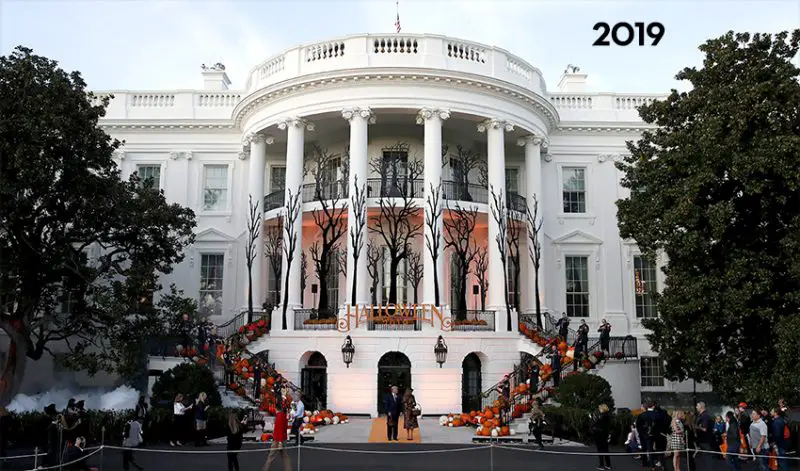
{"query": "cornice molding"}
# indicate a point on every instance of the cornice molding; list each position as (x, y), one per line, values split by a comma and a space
(362, 112)
(256, 100)
(612, 157)
(429, 113)
(159, 125)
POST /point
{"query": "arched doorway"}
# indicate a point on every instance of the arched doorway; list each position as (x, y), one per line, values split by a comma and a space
(471, 383)
(314, 382)
(394, 369)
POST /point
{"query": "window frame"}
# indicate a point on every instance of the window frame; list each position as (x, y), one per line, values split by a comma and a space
(272, 168)
(518, 170)
(199, 271)
(587, 257)
(650, 380)
(648, 293)
(161, 171)
(228, 209)
(562, 173)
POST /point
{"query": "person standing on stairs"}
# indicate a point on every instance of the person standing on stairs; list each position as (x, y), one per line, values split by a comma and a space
(605, 337)
(533, 377)
(563, 326)
(257, 369)
(581, 343)
(555, 367)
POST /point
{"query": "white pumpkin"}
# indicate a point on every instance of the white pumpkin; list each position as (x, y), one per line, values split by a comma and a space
(335, 420)
(308, 414)
(305, 419)
(512, 432)
(450, 424)
(316, 412)
(495, 433)
(480, 427)
(327, 420)
(443, 420)
(347, 421)
(263, 382)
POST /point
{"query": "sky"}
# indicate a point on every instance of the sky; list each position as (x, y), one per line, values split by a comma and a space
(154, 45)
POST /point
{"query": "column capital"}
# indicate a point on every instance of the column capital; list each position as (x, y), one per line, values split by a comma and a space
(296, 122)
(253, 138)
(532, 139)
(430, 113)
(244, 155)
(495, 123)
(363, 112)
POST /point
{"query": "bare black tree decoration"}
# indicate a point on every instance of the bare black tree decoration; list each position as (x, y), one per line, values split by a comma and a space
(273, 249)
(250, 250)
(514, 259)
(341, 262)
(396, 223)
(500, 215)
(481, 268)
(463, 162)
(534, 223)
(358, 211)
(374, 264)
(289, 244)
(415, 272)
(303, 276)
(459, 237)
(330, 219)
(433, 240)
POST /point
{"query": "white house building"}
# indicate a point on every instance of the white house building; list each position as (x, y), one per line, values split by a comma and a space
(384, 104)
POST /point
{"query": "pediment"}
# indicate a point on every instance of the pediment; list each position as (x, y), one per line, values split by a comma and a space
(212, 235)
(578, 237)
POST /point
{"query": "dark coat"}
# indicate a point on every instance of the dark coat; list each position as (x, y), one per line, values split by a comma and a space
(393, 407)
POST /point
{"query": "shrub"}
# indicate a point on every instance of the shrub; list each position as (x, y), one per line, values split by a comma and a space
(585, 392)
(28, 429)
(188, 379)
(575, 424)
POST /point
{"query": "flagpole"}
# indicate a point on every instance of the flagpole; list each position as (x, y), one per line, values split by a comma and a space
(397, 22)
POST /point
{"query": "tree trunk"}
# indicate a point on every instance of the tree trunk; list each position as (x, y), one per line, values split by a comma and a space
(538, 303)
(416, 297)
(395, 262)
(355, 280)
(483, 295)
(435, 281)
(14, 370)
(516, 285)
(250, 294)
(286, 294)
(322, 277)
(461, 302)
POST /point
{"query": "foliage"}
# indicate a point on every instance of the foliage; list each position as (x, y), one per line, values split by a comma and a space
(189, 379)
(716, 189)
(585, 392)
(575, 424)
(71, 231)
(27, 429)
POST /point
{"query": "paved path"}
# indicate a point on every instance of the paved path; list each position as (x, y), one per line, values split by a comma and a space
(389, 457)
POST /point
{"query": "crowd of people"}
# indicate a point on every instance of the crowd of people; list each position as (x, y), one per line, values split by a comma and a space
(738, 436)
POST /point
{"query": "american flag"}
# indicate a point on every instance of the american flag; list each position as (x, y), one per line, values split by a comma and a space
(397, 22)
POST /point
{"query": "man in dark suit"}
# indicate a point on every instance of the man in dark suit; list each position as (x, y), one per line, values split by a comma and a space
(393, 405)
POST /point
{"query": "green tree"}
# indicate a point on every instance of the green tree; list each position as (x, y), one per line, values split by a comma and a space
(715, 187)
(72, 232)
(585, 392)
(188, 379)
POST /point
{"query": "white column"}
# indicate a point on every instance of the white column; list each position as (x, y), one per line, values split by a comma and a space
(432, 120)
(255, 190)
(533, 187)
(360, 119)
(495, 130)
(295, 141)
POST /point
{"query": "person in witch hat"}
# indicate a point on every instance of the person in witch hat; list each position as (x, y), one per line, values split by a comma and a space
(53, 442)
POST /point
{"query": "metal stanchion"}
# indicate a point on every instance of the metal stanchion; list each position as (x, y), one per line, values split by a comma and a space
(299, 445)
(36, 457)
(102, 445)
(60, 447)
(491, 456)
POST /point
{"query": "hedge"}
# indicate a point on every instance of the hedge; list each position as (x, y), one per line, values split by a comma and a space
(575, 424)
(28, 429)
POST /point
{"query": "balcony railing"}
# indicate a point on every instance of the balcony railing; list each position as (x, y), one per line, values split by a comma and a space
(395, 188)
(337, 190)
(274, 200)
(472, 321)
(459, 191)
(516, 202)
(311, 319)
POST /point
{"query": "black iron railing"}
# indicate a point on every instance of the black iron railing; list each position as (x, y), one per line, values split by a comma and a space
(516, 202)
(274, 200)
(471, 320)
(394, 323)
(460, 191)
(337, 190)
(395, 188)
(311, 319)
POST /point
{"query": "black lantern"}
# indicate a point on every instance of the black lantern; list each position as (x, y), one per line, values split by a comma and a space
(348, 350)
(441, 351)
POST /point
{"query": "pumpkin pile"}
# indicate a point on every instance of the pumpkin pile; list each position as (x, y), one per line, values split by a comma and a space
(313, 420)
(253, 331)
(488, 422)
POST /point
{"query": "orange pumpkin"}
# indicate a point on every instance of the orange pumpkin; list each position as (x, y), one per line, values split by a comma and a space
(488, 414)
(485, 432)
(473, 414)
(495, 410)
(562, 347)
(504, 431)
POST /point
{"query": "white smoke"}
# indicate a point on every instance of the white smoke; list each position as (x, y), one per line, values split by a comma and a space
(122, 398)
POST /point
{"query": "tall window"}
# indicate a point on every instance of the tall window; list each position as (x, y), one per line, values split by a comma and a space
(273, 284)
(215, 188)
(574, 189)
(211, 273)
(402, 295)
(150, 175)
(651, 372)
(513, 288)
(277, 179)
(394, 172)
(333, 280)
(455, 287)
(577, 273)
(645, 285)
(512, 180)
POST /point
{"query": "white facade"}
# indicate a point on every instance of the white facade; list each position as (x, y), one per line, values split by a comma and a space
(210, 149)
